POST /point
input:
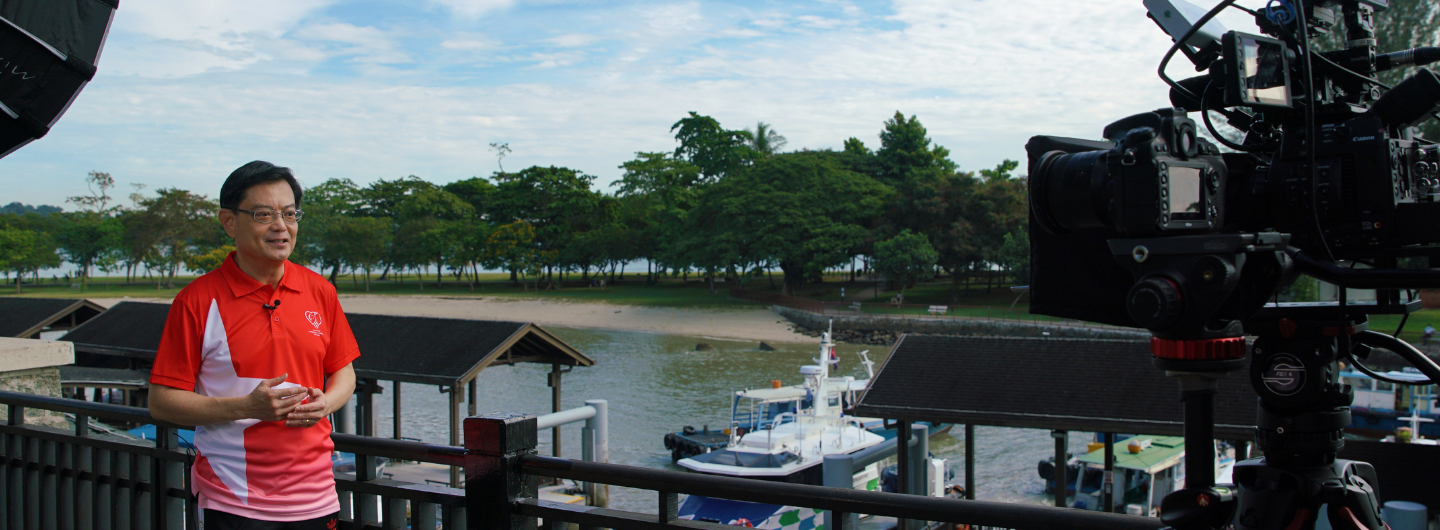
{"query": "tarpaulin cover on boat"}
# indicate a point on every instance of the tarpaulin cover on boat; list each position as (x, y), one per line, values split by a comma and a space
(736, 458)
(48, 52)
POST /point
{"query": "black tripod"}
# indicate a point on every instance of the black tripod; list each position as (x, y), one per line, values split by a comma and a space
(1303, 410)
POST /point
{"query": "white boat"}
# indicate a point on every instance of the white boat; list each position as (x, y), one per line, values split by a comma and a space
(790, 447)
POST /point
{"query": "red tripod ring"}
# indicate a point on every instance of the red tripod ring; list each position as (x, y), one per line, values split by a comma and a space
(1198, 350)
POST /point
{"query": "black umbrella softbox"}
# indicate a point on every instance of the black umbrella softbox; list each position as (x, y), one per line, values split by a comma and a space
(48, 51)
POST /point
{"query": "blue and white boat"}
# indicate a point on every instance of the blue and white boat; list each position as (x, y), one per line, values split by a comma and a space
(789, 447)
(1381, 407)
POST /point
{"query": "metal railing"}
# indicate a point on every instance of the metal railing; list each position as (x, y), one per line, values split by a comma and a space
(55, 478)
(504, 470)
(59, 478)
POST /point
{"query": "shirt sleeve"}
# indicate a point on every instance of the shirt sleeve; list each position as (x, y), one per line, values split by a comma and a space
(177, 360)
(343, 347)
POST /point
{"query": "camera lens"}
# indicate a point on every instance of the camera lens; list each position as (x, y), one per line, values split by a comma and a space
(1068, 191)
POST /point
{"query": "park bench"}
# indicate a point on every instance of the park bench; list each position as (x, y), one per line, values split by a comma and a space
(855, 306)
(939, 309)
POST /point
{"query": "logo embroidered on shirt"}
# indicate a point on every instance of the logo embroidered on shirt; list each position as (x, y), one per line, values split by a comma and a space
(313, 317)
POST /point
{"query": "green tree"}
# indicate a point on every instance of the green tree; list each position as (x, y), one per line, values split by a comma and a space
(26, 245)
(712, 148)
(658, 191)
(554, 201)
(906, 259)
(906, 155)
(765, 141)
(382, 199)
(363, 242)
(325, 205)
(209, 261)
(512, 246)
(87, 239)
(184, 225)
(803, 211)
(1014, 256)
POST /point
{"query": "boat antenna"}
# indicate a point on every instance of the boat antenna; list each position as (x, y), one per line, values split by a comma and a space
(869, 364)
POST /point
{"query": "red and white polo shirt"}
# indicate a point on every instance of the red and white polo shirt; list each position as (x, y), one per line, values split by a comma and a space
(220, 341)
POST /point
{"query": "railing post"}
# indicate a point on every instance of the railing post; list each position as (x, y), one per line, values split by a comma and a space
(599, 427)
(366, 509)
(669, 507)
(839, 472)
(1062, 483)
(919, 463)
(493, 479)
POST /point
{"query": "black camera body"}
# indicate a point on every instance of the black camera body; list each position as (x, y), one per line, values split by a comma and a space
(1371, 191)
(1158, 178)
(1344, 177)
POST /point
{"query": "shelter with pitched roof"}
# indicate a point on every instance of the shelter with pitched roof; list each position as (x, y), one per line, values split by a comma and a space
(449, 353)
(27, 318)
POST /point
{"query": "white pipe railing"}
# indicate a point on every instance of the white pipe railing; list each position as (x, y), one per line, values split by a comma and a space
(594, 440)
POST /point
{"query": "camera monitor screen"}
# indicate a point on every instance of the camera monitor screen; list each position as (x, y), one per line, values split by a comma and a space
(1264, 72)
(1185, 193)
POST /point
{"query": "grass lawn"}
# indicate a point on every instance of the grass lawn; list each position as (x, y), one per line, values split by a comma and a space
(671, 292)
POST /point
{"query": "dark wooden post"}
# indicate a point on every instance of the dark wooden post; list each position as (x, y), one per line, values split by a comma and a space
(1062, 442)
(395, 408)
(1108, 499)
(970, 461)
(554, 380)
(493, 480)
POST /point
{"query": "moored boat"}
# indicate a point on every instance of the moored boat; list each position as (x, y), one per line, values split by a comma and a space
(789, 447)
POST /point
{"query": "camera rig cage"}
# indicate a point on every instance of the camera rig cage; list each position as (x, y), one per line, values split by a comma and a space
(1157, 228)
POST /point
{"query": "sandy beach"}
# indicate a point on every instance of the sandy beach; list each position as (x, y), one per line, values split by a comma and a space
(743, 324)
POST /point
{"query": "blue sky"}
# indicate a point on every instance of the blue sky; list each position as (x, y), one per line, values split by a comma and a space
(187, 90)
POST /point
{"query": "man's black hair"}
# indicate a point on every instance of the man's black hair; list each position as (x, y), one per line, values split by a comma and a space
(248, 175)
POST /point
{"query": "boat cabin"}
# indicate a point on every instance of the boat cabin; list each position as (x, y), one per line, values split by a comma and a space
(1379, 405)
(1146, 469)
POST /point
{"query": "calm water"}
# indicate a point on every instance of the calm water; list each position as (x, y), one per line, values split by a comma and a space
(657, 384)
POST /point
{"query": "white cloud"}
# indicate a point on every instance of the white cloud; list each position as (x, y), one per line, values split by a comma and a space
(573, 40)
(473, 8)
(172, 38)
(468, 42)
(367, 44)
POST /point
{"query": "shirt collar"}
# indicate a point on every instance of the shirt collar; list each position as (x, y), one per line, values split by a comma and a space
(242, 284)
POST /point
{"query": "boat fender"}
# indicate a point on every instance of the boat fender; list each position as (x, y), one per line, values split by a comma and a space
(688, 430)
(1046, 469)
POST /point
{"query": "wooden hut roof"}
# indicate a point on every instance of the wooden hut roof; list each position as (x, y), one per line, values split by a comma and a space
(436, 351)
(27, 317)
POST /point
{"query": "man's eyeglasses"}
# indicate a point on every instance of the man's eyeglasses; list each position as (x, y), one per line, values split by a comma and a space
(268, 216)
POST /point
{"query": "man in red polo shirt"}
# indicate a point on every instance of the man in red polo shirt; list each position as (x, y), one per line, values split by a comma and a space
(256, 354)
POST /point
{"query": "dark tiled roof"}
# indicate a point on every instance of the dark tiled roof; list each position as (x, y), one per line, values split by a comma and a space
(437, 351)
(23, 317)
(127, 328)
(1044, 383)
(446, 350)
